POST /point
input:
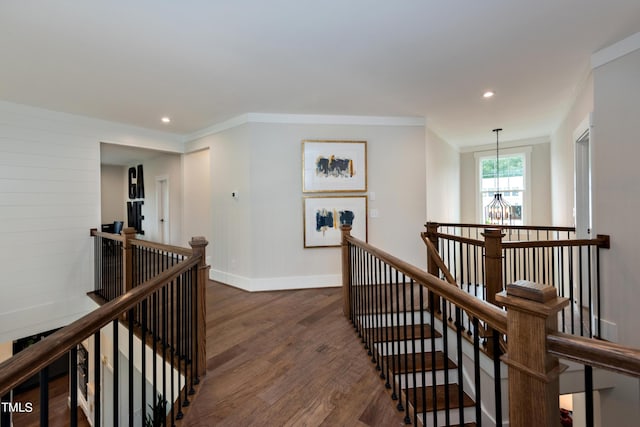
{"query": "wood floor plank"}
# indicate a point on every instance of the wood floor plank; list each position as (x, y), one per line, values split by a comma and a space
(286, 358)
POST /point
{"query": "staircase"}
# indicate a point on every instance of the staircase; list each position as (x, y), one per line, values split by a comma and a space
(418, 364)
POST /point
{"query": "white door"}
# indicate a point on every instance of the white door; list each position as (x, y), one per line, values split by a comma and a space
(583, 181)
(162, 209)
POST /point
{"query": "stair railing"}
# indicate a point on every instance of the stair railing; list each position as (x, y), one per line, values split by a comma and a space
(385, 301)
(412, 325)
(484, 259)
(153, 370)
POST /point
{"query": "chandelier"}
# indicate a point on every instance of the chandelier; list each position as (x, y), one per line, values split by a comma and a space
(498, 212)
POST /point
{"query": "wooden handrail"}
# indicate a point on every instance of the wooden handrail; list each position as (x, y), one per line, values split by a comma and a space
(460, 239)
(601, 354)
(489, 313)
(162, 247)
(512, 227)
(602, 241)
(111, 236)
(433, 253)
(28, 362)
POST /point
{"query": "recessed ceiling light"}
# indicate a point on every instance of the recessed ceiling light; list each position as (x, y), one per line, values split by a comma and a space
(166, 120)
(488, 94)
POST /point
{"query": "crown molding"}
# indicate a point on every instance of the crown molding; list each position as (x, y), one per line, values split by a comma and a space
(307, 119)
(615, 51)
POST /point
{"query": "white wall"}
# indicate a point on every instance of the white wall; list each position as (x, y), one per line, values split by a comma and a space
(563, 156)
(443, 180)
(616, 198)
(612, 92)
(540, 180)
(231, 237)
(196, 196)
(257, 239)
(49, 199)
(113, 194)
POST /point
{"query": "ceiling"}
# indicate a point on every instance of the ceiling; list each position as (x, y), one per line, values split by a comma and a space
(202, 62)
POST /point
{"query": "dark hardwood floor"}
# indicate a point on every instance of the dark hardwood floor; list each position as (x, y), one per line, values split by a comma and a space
(286, 358)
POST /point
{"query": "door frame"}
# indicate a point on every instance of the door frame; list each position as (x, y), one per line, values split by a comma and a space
(582, 205)
(163, 223)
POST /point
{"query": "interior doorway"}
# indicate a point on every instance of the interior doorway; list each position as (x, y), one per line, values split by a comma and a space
(162, 209)
(582, 207)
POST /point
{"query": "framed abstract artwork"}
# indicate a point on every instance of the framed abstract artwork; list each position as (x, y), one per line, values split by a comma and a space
(323, 216)
(334, 166)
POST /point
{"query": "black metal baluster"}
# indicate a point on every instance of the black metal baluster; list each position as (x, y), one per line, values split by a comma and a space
(460, 363)
(196, 317)
(561, 273)
(496, 375)
(173, 340)
(130, 400)
(97, 397)
(571, 316)
(73, 386)
(398, 353)
(407, 419)
(372, 308)
(44, 396)
(476, 372)
(588, 394)
(382, 273)
(434, 379)
(155, 316)
(392, 326)
(422, 356)
(164, 343)
(589, 284)
(599, 335)
(580, 290)
(116, 374)
(445, 347)
(413, 352)
(374, 333)
(143, 351)
(185, 336)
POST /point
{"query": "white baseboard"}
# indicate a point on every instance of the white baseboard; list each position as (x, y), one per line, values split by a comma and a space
(276, 283)
(609, 330)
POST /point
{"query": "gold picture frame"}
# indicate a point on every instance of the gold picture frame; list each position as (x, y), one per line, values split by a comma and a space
(324, 215)
(334, 166)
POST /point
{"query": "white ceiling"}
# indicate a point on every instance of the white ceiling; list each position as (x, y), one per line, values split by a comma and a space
(205, 61)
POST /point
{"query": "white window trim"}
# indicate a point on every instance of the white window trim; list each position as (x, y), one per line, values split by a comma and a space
(491, 154)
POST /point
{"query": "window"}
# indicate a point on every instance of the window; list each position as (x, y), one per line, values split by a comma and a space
(512, 182)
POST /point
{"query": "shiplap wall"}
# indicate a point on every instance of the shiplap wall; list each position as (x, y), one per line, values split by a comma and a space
(49, 200)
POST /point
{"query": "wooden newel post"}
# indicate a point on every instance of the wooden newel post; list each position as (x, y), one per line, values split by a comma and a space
(432, 235)
(493, 262)
(199, 244)
(432, 265)
(346, 272)
(532, 312)
(129, 234)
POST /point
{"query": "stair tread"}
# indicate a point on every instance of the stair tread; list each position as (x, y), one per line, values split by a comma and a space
(398, 333)
(400, 367)
(440, 398)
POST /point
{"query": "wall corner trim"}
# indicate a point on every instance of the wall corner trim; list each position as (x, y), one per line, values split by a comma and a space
(615, 51)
